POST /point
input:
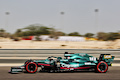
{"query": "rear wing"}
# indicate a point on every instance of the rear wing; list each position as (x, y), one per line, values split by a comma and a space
(108, 58)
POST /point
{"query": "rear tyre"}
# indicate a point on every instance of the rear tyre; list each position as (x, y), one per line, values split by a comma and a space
(102, 67)
(31, 67)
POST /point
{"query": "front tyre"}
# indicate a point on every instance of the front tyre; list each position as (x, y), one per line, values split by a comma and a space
(102, 67)
(31, 67)
(26, 62)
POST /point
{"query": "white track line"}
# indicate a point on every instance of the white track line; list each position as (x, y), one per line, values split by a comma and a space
(10, 64)
(23, 57)
(116, 64)
(117, 59)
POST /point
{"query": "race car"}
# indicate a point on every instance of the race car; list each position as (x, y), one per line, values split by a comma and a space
(70, 62)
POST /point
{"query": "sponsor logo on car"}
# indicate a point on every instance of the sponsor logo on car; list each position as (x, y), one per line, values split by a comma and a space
(16, 69)
(107, 56)
(87, 63)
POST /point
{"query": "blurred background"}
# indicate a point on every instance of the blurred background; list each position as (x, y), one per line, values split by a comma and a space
(59, 24)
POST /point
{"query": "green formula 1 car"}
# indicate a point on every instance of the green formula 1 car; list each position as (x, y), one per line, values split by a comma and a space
(71, 62)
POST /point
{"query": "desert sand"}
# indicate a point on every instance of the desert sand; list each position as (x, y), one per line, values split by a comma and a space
(27, 44)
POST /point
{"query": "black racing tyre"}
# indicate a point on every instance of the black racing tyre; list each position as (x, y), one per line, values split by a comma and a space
(31, 67)
(26, 62)
(102, 67)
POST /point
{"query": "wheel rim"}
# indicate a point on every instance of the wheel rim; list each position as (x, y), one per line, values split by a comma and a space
(31, 67)
(102, 67)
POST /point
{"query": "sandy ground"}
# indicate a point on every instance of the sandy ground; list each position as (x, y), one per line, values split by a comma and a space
(9, 44)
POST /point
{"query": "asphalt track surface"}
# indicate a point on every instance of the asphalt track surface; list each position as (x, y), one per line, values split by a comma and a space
(112, 74)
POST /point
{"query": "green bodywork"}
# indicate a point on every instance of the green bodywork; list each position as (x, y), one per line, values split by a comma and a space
(76, 60)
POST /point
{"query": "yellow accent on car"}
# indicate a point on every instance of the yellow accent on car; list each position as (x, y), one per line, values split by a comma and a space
(107, 56)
